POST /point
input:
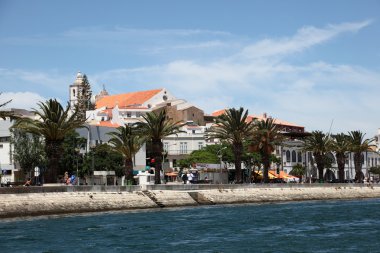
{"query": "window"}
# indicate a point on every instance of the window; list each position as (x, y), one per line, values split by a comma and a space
(183, 147)
(1, 145)
(138, 114)
(193, 131)
(129, 114)
(166, 146)
(287, 156)
(299, 157)
(5, 139)
(294, 156)
(73, 92)
(200, 145)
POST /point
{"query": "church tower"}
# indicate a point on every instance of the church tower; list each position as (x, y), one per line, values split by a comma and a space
(76, 89)
(80, 94)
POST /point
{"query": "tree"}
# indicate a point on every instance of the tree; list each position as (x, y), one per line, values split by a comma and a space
(28, 150)
(53, 124)
(126, 142)
(71, 159)
(155, 127)
(298, 170)
(265, 138)
(340, 145)
(319, 144)
(103, 157)
(84, 99)
(207, 154)
(233, 128)
(358, 145)
(375, 170)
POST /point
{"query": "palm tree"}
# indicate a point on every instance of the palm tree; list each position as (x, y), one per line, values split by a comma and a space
(358, 145)
(54, 124)
(156, 127)
(232, 127)
(298, 171)
(341, 145)
(266, 136)
(126, 142)
(6, 114)
(319, 144)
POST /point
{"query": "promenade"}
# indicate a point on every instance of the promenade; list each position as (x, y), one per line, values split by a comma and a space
(36, 201)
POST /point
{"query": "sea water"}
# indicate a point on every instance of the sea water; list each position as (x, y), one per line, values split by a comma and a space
(315, 226)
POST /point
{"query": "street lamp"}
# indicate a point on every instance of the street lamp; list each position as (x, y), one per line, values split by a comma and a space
(219, 154)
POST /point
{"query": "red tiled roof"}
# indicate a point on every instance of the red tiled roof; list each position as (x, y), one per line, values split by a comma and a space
(277, 121)
(106, 124)
(218, 113)
(259, 117)
(127, 99)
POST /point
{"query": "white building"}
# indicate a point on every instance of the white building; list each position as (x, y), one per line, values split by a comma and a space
(9, 170)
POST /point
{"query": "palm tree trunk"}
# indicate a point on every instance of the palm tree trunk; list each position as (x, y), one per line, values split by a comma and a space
(53, 151)
(157, 148)
(359, 177)
(238, 149)
(341, 159)
(128, 169)
(266, 164)
(320, 166)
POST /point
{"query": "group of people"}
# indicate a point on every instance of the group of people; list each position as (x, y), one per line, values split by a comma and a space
(69, 180)
(190, 177)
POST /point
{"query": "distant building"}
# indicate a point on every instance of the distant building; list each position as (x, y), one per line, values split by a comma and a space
(9, 169)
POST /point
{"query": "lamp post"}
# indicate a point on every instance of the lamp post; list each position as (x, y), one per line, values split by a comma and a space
(220, 155)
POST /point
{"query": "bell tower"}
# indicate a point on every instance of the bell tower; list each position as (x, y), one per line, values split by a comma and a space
(76, 89)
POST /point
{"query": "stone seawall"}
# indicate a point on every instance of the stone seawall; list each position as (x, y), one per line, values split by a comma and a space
(42, 203)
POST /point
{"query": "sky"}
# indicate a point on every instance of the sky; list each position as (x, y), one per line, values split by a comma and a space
(313, 63)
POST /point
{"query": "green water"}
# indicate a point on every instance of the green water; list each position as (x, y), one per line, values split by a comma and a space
(320, 226)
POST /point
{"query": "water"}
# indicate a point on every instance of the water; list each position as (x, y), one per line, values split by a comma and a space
(320, 226)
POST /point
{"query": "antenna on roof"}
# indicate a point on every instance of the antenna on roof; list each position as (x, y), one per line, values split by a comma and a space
(332, 121)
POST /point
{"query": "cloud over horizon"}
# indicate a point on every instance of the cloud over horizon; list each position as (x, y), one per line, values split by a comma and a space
(256, 75)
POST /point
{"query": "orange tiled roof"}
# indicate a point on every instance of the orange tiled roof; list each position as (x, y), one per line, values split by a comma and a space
(277, 121)
(127, 99)
(218, 113)
(259, 117)
(106, 124)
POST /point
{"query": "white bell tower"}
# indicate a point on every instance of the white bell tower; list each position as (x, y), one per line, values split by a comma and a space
(75, 89)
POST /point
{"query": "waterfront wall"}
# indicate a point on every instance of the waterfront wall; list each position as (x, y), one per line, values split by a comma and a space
(32, 201)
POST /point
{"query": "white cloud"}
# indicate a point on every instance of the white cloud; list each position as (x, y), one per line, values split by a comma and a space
(304, 38)
(258, 77)
(21, 100)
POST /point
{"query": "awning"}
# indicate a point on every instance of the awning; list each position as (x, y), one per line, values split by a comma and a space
(270, 175)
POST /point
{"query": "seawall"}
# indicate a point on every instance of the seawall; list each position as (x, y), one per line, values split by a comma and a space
(34, 201)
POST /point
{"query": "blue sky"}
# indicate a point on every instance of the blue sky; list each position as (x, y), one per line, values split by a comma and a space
(307, 62)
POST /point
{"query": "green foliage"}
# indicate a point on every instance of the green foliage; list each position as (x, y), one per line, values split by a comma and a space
(103, 157)
(53, 124)
(375, 170)
(265, 138)
(233, 128)
(84, 99)
(154, 128)
(298, 170)
(28, 150)
(71, 158)
(319, 144)
(126, 141)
